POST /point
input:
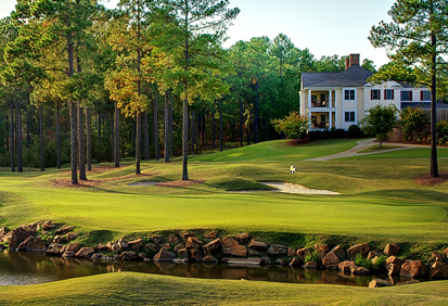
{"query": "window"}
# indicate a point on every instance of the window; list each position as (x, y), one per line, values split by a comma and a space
(389, 94)
(349, 116)
(406, 96)
(375, 94)
(425, 95)
(313, 99)
(349, 94)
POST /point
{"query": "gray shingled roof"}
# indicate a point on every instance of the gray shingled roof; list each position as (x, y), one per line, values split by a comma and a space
(355, 76)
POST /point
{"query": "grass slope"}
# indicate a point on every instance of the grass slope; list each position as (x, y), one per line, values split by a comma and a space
(143, 289)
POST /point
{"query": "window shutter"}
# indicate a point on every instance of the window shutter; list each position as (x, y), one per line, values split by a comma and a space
(371, 94)
(410, 96)
(393, 94)
(379, 94)
(385, 94)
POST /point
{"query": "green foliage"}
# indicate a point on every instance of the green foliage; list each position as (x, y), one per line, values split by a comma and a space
(354, 131)
(413, 121)
(442, 131)
(360, 261)
(312, 257)
(294, 126)
(380, 263)
(380, 121)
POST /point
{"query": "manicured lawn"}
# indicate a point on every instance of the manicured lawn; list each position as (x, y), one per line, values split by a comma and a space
(143, 289)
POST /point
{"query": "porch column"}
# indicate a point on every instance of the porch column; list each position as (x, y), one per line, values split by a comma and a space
(331, 117)
(309, 98)
(329, 99)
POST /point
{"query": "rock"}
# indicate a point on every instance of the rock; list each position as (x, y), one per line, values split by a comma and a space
(394, 260)
(392, 250)
(164, 255)
(413, 269)
(157, 239)
(116, 248)
(64, 230)
(3, 232)
(6, 237)
(265, 260)
(295, 262)
(193, 243)
(186, 235)
(377, 283)
(72, 236)
(45, 233)
(346, 266)
(18, 236)
(179, 247)
(280, 262)
(277, 249)
(393, 269)
(146, 259)
(55, 249)
(331, 261)
(375, 260)
(2, 247)
(68, 254)
(59, 239)
(445, 252)
(322, 249)
(413, 281)
(141, 256)
(85, 252)
(50, 240)
(209, 260)
(22, 246)
(167, 246)
(180, 261)
(174, 239)
(362, 249)
(48, 225)
(359, 270)
(231, 247)
(211, 235)
(123, 243)
(291, 252)
(310, 265)
(195, 254)
(151, 247)
(242, 261)
(72, 247)
(135, 244)
(101, 248)
(212, 247)
(339, 252)
(373, 254)
(128, 256)
(242, 238)
(438, 270)
(252, 252)
(96, 256)
(36, 246)
(259, 246)
(439, 257)
(302, 253)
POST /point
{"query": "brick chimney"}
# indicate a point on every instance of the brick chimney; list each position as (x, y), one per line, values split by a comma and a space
(347, 63)
(353, 59)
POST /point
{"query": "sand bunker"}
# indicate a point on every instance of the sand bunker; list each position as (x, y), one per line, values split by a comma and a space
(290, 188)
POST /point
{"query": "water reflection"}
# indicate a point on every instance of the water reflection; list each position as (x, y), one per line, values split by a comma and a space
(28, 268)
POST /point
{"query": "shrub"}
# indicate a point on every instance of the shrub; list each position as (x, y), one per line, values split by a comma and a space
(380, 121)
(312, 257)
(294, 126)
(354, 131)
(413, 121)
(442, 131)
(362, 262)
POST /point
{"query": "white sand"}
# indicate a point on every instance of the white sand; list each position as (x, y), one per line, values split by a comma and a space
(289, 188)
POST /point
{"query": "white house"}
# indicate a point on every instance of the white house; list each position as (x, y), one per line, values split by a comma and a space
(340, 99)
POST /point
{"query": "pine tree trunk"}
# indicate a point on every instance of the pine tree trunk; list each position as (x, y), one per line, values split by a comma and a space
(192, 132)
(166, 125)
(213, 130)
(81, 144)
(19, 136)
(156, 127)
(73, 144)
(28, 128)
(58, 135)
(133, 138)
(117, 137)
(89, 140)
(185, 137)
(220, 127)
(11, 136)
(171, 129)
(434, 163)
(138, 143)
(112, 138)
(41, 135)
(146, 135)
(256, 114)
(100, 151)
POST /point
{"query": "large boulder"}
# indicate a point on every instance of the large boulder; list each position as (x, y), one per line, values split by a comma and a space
(302, 253)
(413, 269)
(135, 244)
(258, 245)
(277, 250)
(101, 248)
(55, 249)
(295, 262)
(231, 247)
(391, 250)
(373, 254)
(394, 260)
(331, 261)
(439, 270)
(438, 257)
(322, 249)
(361, 249)
(186, 235)
(359, 270)
(212, 247)
(164, 255)
(85, 252)
(22, 246)
(209, 260)
(48, 225)
(182, 253)
(6, 237)
(242, 238)
(59, 239)
(339, 252)
(151, 247)
(36, 246)
(72, 236)
(193, 243)
(73, 247)
(179, 247)
(128, 256)
(157, 239)
(116, 248)
(445, 252)
(376, 283)
(195, 254)
(173, 239)
(393, 269)
(64, 230)
(3, 231)
(346, 266)
(211, 235)
(18, 236)
(310, 265)
(291, 252)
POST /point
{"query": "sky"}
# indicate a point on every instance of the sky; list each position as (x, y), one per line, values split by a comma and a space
(325, 27)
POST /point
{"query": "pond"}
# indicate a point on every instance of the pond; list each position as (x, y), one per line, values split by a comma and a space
(17, 268)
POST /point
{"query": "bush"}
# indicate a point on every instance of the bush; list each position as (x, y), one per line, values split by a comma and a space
(413, 121)
(380, 121)
(442, 131)
(294, 126)
(312, 257)
(363, 262)
(326, 134)
(354, 131)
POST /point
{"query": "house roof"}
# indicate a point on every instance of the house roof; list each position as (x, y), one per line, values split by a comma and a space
(355, 76)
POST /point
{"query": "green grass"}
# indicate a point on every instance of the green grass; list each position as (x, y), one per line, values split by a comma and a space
(142, 289)
(376, 148)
